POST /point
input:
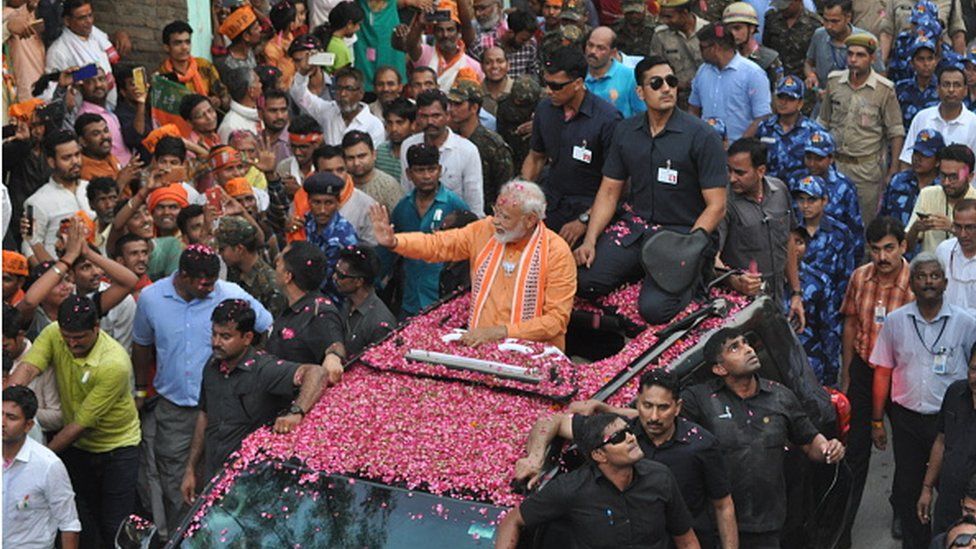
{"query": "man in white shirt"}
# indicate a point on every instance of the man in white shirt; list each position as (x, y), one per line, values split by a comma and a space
(244, 88)
(62, 196)
(950, 117)
(460, 159)
(45, 386)
(347, 112)
(82, 43)
(38, 500)
(959, 256)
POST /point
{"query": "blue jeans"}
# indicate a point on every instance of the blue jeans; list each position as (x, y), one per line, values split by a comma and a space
(105, 490)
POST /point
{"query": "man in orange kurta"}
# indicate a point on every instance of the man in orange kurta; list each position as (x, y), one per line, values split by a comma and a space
(523, 275)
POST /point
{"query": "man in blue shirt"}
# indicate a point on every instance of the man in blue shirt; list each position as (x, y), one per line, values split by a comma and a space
(787, 133)
(902, 191)
(842, 205)
(325, 226)
(922, 90)
(607, 78)
(727, 85)
(422, 210)
(172, 330)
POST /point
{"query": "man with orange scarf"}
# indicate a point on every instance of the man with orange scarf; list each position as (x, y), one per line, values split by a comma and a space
(447, 56)
(197, 74)
(523, 277)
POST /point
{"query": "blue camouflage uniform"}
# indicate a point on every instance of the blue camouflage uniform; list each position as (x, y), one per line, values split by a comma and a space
(337, 234)
(925, 25)
(912, 99)
(901, 193)
(830, 249)
(842, 202)
(821, 338)
(786, 149)
(970, 57)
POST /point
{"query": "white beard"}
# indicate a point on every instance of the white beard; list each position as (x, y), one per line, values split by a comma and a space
(508, 237)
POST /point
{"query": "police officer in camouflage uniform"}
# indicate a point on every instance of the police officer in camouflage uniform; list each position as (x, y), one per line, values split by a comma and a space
(924, 21)
(497, 168)
(566, 35)
(902, 191)
(788, 30)
(861, 112)
(635, 29)
(238, 245)
(831, 251)
(514, 111)
(742, 22)
(898, 14)
(787, 132)
(922, 90)
(677, 41)
(842, 205)
(818, 311)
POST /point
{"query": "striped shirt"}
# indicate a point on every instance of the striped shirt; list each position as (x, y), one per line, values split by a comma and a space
(869, 301)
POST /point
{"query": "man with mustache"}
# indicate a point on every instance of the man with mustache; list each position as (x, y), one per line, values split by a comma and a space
(514, 259)
(689, 451)
(459, 158)
(95, 139)
(618, 499)
(94, 92)
(132, 251)
(99, 442)
(873, 290)
(606, 77)
(347, 112)
(753, 419)
(922, 349)
(931, 221)
(959, 256)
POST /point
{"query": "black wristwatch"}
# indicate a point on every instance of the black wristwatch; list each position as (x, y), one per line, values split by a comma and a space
(296, 409)
(584, 218)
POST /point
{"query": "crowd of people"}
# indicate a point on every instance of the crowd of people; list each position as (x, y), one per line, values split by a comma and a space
(198, 248)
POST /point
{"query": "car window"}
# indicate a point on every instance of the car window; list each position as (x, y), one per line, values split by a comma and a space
(277, 505)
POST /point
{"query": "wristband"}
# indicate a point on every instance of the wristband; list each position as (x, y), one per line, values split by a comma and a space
(797, 293)
(140, 394)
(58, 271)
(877, 424)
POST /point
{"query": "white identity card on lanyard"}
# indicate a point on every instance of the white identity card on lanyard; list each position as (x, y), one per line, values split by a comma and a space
(666, 175)
(581, 153)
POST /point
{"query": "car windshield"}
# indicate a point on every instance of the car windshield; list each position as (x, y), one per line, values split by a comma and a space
(279, 505)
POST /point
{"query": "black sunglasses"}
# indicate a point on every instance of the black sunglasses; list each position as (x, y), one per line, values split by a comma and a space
(344, 276)
(963, 540)
(617, 437)
(556, 86)
(656, 82)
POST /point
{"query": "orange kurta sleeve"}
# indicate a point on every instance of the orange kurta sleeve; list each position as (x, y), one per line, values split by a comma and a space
(451, 245)
(560, 291)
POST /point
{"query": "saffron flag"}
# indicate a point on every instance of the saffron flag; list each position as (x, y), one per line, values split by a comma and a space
(166, 98)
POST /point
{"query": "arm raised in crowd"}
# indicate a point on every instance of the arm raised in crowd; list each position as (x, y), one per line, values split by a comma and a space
(123, 280)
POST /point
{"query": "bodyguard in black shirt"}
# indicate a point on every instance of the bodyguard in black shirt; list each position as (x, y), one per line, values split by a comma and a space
(310, 329)
(686, 448)
(618, 499)
(753, 419)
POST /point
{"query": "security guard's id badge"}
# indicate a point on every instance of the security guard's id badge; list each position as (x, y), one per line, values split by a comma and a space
(667, 176)
(582, 154)
(880, 312)
(939, 362)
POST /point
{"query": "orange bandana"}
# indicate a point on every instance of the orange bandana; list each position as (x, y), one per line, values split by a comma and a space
(14, 263)
(238, 187)
(174, 192)
(24, 109)
(223, 157)
(238, 22)
(151, 140)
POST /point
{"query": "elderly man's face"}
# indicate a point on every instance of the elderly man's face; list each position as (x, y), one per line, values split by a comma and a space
(349, 92)
(928, 281)
(510, 222)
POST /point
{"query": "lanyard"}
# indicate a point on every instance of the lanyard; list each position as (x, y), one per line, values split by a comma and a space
(945, 321)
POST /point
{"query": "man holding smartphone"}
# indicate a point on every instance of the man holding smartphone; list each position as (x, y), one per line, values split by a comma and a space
(931, 221)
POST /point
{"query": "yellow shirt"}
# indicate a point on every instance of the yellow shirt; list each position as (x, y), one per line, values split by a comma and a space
(932, 200)
(466, 244)
(95, 390)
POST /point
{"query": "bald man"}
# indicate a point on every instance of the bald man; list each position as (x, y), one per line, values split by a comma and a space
(606, 77)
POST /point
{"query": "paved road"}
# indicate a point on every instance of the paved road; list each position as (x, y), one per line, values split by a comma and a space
(872, 529)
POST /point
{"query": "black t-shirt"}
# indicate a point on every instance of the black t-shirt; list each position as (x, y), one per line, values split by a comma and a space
(688, 146)
(646, 514)
(752, 434)
(304, 331)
